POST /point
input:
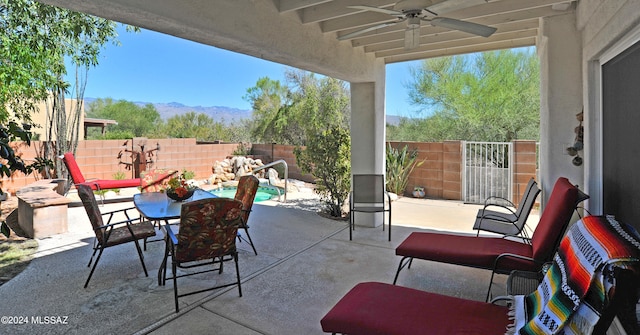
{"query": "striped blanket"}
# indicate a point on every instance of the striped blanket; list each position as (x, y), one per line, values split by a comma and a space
(574, 290)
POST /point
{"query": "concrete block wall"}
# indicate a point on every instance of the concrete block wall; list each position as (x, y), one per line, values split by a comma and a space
(99, 159)
(452, 170)
(440, 173)
(526, 167)
(279, 151)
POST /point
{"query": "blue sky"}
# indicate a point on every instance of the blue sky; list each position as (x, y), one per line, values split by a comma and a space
(153, 67)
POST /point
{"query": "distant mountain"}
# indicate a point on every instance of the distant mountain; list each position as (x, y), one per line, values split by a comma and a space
(218, 113)
(393, 120)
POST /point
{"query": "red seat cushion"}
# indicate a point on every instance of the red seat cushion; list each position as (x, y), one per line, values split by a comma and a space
(78, 178)
(377, 309)
(106, 184)
(480, 252)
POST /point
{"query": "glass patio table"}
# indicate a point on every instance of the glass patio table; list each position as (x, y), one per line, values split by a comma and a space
(157, 206)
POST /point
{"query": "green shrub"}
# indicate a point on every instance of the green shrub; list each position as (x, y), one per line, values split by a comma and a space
(400, 164)
(119, 175)
(41, 167)
(188, 175)
(328, 159)
(243, 149)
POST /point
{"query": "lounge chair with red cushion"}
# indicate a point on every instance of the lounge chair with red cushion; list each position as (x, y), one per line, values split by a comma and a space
(498, 254)
(593, 277)
(95, 184)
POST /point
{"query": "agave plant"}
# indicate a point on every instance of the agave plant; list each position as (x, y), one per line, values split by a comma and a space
(400, 164)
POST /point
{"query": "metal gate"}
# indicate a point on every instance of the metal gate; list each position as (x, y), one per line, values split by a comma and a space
(487, 171)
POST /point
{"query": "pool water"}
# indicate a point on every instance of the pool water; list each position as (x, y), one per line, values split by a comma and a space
(263, 194)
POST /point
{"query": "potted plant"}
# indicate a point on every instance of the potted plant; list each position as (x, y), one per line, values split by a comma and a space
(180, 188)
(418, 192)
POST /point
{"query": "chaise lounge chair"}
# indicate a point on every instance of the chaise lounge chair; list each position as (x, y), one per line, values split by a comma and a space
(95, 184)
(498, 254)
(581, 305)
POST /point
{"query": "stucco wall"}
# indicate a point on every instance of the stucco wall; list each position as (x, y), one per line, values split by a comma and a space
(559, 48)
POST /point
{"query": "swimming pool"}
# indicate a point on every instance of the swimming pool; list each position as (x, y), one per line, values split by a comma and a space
(263, 194)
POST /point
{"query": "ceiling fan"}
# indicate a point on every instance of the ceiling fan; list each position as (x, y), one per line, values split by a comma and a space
(415, 11)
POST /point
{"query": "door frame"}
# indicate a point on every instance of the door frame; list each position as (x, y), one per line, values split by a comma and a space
(594, 131)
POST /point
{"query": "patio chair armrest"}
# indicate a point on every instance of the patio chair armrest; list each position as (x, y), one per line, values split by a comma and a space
(173, 239)
(507, 255)
(118, 211)
(493, 197)
(506, 208)
(494, 218)
(125, 211)
(508, 299)
(524, 239)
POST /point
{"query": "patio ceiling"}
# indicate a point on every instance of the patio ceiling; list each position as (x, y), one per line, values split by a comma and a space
(517, 24)
(304, 33)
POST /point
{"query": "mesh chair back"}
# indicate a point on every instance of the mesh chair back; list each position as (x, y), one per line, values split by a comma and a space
(73, 168)
(93, 211)
(208, 229)
(524, 209)
(528, 198)
(246, 193)
(155, 180)
(368, 188)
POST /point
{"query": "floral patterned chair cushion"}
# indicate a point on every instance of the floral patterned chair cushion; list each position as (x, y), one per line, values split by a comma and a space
(208, 229)
(207, 237)
(246, 193)
(155, 180)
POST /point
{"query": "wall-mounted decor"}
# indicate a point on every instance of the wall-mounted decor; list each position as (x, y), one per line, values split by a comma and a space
(578, 143)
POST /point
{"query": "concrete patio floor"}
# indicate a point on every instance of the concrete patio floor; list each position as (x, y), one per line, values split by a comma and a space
(305, 264)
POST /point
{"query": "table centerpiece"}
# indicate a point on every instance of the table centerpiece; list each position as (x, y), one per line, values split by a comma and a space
(179, 188)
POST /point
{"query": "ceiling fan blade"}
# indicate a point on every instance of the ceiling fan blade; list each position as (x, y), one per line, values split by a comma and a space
(411, 38)
(379, 10)
(467, 27)
(366, 30)
(451, 5)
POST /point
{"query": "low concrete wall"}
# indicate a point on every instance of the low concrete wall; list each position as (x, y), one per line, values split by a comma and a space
(42, 208)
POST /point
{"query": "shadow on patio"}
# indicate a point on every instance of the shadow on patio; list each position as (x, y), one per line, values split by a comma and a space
(305, 263)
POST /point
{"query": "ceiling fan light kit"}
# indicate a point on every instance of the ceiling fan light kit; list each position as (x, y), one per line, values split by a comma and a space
(411, 38)
(415, 11)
